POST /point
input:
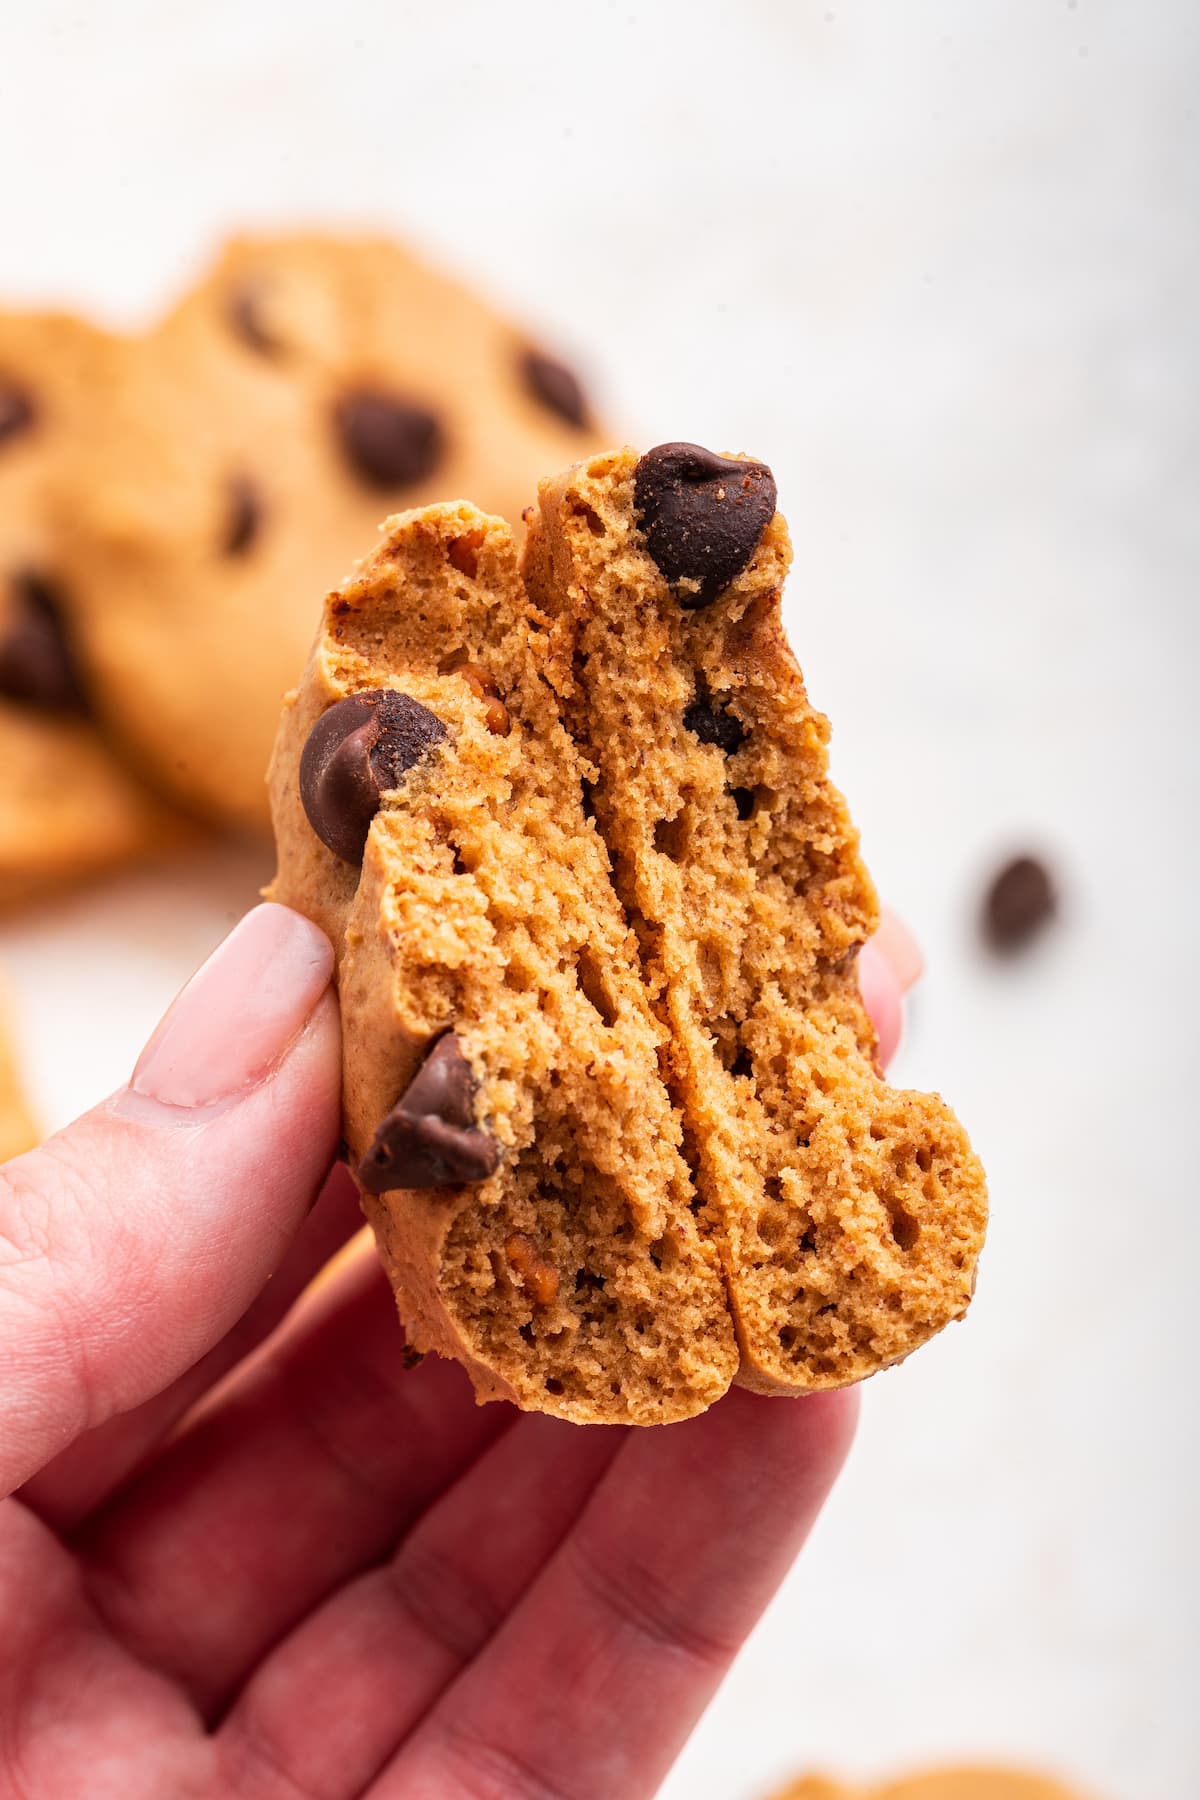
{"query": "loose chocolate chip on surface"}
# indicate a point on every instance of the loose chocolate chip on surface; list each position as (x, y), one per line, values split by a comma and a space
(555, 386)
(713, 724)
(244, 516)
(702, 515)
(388, 441)
(36, 665)
(248, 317)
(1020, 901)
(358, 750)
(16, 411)
(430, 1138)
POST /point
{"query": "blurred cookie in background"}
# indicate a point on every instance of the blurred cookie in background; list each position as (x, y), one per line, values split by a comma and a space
(241, 459)
(68, 808)
(17, 1129)
(938, 1784)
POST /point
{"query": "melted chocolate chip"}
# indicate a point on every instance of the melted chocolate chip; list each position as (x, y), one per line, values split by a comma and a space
(388, 441)
(354, 754)
(36, 666)
(244, 517)
(702, 515)
(1019, 903)
(714, 724)
(555, 386)
(248, 317)
(430, 1138)
(16, 411)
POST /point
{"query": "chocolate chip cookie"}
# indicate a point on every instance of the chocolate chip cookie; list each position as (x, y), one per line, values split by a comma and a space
(520, 1157)
(307, 386)
(609, 1083)
(939, 1784)
(67, 806)
(848, 1215)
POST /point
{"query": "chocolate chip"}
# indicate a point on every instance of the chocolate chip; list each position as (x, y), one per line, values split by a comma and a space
(355, 753)
(713, 724)
(1020, 901)
(244, 517)
(430, 1138)
(702, 516)
(16, 412)
(247, 315)
(555, 386)
(390, 442)
(36, 666)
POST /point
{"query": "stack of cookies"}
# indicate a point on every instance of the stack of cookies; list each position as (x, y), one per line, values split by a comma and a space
(171, 504)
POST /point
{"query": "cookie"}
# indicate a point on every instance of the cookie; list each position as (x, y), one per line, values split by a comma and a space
(519, 1155)
(848, 1215)
(245, 455)
(596, 905)
(17, 1129)
(68, 808)
(941, 1784)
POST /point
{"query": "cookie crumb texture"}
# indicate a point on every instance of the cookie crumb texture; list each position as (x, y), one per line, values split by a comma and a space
(575, 1279)
(622, 885)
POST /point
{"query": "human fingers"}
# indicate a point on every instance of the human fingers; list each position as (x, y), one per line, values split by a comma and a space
(307, 1469)
(882, 998)
(132, 1241)
(88, 1470)
(618, 1646)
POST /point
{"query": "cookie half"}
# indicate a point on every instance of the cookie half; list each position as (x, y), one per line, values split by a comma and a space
(505, 1110)
(848, 1215)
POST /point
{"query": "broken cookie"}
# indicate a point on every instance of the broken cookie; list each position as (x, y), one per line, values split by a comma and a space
(610, 1088)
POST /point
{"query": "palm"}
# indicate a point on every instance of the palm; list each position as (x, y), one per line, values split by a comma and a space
(343, 1577)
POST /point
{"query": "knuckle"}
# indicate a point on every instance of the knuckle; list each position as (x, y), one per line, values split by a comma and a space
(634, 1600)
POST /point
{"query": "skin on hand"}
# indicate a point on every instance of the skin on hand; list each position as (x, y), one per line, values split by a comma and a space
(316, 1572)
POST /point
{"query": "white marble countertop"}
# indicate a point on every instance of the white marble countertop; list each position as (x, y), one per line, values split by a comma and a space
(941, 266)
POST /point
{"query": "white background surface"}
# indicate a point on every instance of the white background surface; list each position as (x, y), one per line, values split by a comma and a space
(939, 263)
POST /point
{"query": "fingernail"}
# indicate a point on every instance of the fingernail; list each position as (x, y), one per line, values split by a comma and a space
(238, 1014)
(881, 996)
(900, 948)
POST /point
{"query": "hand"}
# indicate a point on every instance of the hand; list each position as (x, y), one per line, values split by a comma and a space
(309, 1571)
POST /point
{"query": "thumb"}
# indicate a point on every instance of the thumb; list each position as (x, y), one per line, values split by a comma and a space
(131, 1241)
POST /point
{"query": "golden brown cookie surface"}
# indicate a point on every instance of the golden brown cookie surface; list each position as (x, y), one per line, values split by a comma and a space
(975, 1783)
(68, 808)
(609, 1084)
(306, 388)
